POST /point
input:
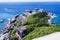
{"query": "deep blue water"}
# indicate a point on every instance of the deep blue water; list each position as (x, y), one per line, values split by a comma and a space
(8, 10)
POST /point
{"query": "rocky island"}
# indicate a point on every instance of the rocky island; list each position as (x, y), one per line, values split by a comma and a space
(29, 25)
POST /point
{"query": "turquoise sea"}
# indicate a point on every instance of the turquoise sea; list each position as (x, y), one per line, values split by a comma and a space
(8, 10)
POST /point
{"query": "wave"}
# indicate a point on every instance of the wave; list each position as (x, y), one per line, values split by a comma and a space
(53, 16)
(9, 10)
(5, 15)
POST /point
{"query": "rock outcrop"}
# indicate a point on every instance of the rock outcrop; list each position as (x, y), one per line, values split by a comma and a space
(20, 18)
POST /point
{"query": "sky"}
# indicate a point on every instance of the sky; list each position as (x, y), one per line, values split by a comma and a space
(29, 0)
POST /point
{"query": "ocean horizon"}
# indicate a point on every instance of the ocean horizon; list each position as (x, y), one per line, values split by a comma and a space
(8, 10)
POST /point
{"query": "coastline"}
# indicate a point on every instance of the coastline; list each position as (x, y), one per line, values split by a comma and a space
(48, 7)
(11, 23)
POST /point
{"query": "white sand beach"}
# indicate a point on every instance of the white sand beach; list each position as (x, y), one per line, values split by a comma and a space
(53, 36)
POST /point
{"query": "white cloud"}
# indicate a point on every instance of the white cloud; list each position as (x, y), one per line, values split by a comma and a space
(29, 0)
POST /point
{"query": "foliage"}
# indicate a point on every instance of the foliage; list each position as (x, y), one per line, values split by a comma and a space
(18, 24)
(35, 20)
(41, 31)
(12, 34)
(36, 26)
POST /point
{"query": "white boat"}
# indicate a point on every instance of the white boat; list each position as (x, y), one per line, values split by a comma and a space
(2, 20)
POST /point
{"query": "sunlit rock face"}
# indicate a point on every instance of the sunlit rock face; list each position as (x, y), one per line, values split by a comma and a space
(13, 20)
(8, 28)
(4, 37)
(21, 18)
(27, 12)
(41, 10)
(50, 21)
(18, 36)
(50, 14)
(37, 11)
(51, 17)
(20, 30)
(16, 16)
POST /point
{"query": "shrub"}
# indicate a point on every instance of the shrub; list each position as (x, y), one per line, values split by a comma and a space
(41, 31)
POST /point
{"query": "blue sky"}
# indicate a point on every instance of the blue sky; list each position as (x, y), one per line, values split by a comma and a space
(29, 0)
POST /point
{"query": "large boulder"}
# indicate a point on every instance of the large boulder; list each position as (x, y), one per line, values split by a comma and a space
(7, 29)
(4, 36)
(27, 12)
(16, 16)
(21, 18)
(13, 20)
(20, 30)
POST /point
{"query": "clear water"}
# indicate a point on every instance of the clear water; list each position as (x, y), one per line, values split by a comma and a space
(8, 10)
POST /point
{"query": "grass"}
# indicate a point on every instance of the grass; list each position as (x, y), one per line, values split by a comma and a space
(36, 26)
(41, 31)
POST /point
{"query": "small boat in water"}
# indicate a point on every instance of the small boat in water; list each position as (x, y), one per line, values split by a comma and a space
(2, 20)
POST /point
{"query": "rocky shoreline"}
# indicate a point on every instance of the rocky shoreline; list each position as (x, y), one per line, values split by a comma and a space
(20, 18)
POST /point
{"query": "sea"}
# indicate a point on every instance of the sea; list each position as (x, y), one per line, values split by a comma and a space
(9, 10)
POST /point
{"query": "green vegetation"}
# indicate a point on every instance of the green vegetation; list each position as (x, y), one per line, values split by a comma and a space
(36, 26)
(34, 21)
(12, 34)
(41, 31)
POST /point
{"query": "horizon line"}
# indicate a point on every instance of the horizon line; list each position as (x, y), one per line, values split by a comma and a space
(27, 2)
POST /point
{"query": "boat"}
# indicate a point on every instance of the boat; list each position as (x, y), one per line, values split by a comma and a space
(2, 20)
